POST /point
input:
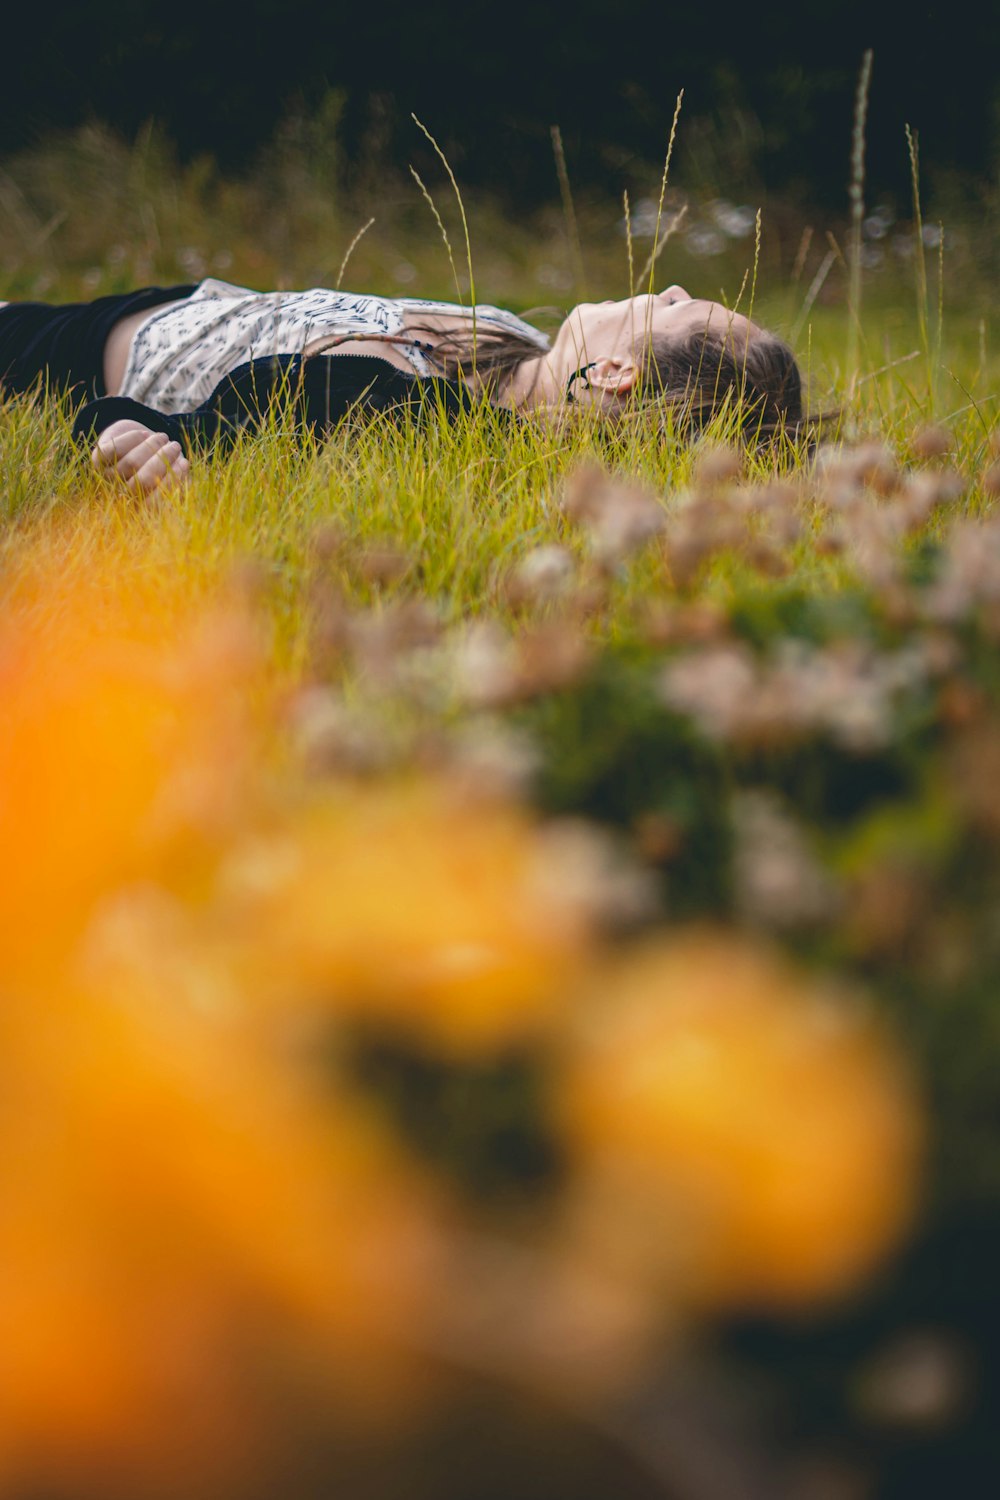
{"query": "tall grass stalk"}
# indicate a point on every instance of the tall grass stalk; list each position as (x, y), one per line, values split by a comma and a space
(651, 262)
(815, 287)
(755, 267)
(919, 256)
(569, 214)
(856, 198)
(939, 330)
(441, 230)
(465, 228)
(350, 250)
(665, 236)
(753, 289)
(799, 263)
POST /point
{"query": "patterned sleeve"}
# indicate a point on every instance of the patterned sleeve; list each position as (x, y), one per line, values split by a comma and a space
(317, 393)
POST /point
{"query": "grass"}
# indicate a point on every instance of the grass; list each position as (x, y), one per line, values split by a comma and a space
(466, 503)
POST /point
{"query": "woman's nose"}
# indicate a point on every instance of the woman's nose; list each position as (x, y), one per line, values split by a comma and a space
(675, 294)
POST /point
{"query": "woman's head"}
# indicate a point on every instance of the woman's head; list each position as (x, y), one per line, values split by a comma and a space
(692, 354)
(684, 352)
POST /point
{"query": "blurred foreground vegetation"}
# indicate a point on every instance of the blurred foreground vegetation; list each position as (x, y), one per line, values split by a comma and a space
(499, 925)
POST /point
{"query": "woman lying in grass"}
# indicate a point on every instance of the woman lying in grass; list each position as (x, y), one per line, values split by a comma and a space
(165, 371)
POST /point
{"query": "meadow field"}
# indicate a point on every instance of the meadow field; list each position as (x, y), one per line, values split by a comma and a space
(501, 922)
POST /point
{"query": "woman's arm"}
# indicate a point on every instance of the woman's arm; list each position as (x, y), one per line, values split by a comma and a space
(143, 445)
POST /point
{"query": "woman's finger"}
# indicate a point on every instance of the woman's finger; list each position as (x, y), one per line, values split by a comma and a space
(117, 440)
(139, 454)
(166, 467)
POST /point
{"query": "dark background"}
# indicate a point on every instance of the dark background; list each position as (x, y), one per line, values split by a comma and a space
(769, 87)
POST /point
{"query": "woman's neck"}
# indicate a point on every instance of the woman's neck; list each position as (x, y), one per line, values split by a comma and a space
(531, 384)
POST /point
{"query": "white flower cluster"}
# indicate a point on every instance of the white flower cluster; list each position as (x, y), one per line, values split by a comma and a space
(847, 691)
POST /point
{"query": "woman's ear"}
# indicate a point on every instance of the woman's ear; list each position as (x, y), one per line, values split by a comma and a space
(612, 375)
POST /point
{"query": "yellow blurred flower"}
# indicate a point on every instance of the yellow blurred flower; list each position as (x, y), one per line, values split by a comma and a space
(192, 1239)
(123, 748)
(737, 1133)
(195, 1233)
(453, 920)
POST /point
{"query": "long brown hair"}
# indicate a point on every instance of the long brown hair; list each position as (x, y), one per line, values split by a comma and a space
(702, 374)
(707, 372)
(488, 359)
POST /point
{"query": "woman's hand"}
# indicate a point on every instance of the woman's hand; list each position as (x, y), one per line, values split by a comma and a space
(146, 460)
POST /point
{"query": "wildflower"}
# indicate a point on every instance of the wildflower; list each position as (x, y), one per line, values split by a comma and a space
(552, 657)
(672, 623)
(382, 641)
(541, 576)
(970, 573)
(383, 564)
(619, 517)
(990, 481)
(686, 555)
(715, 467)
(484, 666)
(457, 922)
(875, 466)
(193, 1239)
(845, 690)
(329, 735)
(767, 558)
(843, 474)
(328, 542)
(491, 759)
(921, 1380)
(778, 880)
(123, 752)
(932, 442)
(714, 684)
(920, 496)
(749, 1139)
(587, 493)
(625, 526)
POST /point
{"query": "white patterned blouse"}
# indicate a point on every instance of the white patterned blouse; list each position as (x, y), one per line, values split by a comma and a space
(182, 351)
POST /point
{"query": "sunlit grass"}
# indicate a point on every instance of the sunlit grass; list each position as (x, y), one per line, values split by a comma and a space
(463, 502)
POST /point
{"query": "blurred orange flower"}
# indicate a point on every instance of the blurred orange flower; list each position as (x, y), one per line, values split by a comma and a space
(194, 1233)
(186, 1221)
(453, 920)
(741, 1134)
(124, 741)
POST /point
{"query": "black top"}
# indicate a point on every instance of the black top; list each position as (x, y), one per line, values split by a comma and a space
(318, 392)
(59, 350)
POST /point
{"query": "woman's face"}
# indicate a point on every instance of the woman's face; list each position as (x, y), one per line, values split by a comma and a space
(612, 335)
